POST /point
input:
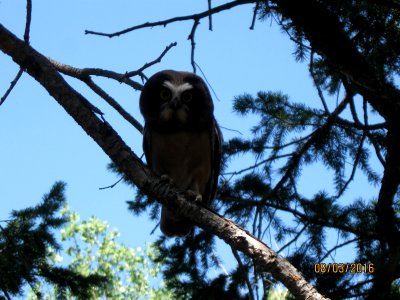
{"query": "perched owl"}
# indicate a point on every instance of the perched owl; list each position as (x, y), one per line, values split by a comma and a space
(181, 139)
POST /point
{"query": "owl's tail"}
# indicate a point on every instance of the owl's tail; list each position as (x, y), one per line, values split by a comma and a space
(171, 225)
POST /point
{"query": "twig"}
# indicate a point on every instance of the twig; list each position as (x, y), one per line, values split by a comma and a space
(258, 164)
(244, 273)
(294, 239)
(319, 90)
(193, 43)
(28, 20)
(147, 65)
(111, 186)
(337, 247)
(112, 102)
(253, 21)
(164, 23)
(81, 73)
(26, 39)
(230, 129)
(208, 83)
(353, 171)
(84, 75)
(12, 85)
(210, 26)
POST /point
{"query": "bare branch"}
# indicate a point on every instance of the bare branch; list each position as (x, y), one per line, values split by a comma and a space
(259, 164)
(82, 73)
(210, 26)
(318, 87)
(147, 65)
(26, 39)
(112, 102)
(193, 43)
(355, 165)
(244, 273)
(337, 247)
(12, 85)
(164, 23)
(294, 239)
(255, 11)
(113, 185)
(28, 20)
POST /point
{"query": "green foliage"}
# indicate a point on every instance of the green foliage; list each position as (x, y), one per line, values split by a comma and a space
(94, 250)
(24, 244)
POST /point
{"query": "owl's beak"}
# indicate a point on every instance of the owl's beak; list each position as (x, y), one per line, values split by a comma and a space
(176, 103)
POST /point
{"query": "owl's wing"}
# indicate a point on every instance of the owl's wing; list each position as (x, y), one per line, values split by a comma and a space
(147, 145)
(216, 148)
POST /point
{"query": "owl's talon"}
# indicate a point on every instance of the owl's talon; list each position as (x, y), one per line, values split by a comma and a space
(193, 196)
(166, 179)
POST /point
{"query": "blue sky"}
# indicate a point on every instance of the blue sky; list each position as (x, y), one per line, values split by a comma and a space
(40, 143)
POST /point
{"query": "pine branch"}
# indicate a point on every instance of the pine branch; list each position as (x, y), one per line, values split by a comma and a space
(41, 69)
(294, 162)
(327, 36)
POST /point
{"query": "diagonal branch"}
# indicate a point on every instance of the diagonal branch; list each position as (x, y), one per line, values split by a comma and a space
(26, 39)
(244, 273)
(84, 75)
(28, 20)
(43, 71)
(12, 85)
(112, 102)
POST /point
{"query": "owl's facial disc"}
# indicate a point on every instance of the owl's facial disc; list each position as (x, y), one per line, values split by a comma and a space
(175, 97)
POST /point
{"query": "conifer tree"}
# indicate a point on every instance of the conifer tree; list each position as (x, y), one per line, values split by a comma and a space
(24, 244)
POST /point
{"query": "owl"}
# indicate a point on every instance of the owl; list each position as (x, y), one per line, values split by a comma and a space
(181, 139)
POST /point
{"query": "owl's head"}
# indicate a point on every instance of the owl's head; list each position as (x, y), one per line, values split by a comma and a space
(172, 100)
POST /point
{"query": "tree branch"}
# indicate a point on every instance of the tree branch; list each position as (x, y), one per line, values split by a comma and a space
(305, 218)
(28, 20)
(81, 73)
(113, 103)
(147, 65)
(26, 39)
(164, 23)
(40, 68)
(244, 272)
(294, 162)
(12, 85)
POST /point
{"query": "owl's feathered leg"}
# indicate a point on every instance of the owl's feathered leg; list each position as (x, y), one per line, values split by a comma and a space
(172, 225)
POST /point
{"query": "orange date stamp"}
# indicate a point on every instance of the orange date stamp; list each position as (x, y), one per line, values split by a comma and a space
(354, 268)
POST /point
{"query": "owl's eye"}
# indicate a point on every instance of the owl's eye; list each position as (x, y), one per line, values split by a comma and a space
(165, 94)
(187, 96)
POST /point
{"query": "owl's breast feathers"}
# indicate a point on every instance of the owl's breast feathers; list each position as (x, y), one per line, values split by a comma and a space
(190, 158)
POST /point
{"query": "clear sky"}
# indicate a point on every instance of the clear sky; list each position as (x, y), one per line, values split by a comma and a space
(40, 143)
